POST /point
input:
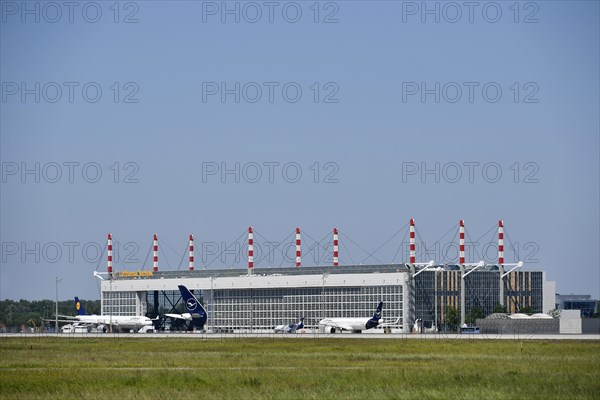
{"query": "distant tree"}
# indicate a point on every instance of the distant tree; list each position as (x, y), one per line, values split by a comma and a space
(92, 306)
(526, 310)
(554, 313)
(473, 315)
(452, 317)
(14, 314)
(500, 309)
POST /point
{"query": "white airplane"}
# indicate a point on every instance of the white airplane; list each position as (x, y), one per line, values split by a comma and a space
(195, 312)
(120, 322)
(291, 328)
(355, 325)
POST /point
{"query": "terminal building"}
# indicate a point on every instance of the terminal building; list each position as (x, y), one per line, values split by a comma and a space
(258, 299)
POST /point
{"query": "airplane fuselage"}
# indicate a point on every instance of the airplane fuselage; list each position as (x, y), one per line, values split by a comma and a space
(348, 324)
(353, 324)
(122, 321)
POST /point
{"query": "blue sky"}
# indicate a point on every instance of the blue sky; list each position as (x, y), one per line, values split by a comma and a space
(362, 117)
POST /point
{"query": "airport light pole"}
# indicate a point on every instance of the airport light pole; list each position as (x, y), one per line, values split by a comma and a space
(435, 276)
(56, 313)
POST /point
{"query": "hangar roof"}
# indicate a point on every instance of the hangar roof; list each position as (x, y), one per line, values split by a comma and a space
(286, 271)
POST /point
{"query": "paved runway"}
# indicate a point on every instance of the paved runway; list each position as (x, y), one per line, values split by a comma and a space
(219, 336)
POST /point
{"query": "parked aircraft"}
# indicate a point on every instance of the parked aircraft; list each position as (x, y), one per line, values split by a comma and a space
(104, 322)
(291, 328)
(356, 325)
(195, 312)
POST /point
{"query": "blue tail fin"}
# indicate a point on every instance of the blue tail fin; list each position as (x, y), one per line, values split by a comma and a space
(79, 307)
(193, 306)
(374, 321)
(377, 314)
(300, 324)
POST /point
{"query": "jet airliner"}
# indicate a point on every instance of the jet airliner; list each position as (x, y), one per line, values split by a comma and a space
(291, 328)
(195, 312)
(120, 322)
(356, 325)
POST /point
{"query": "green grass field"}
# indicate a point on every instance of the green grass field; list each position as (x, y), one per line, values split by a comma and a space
(109, 368)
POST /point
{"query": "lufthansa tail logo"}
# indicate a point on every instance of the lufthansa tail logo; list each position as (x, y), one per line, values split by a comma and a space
(77, 306)
(191, 304)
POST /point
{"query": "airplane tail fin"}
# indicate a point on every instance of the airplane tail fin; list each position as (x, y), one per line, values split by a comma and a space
(300, 324)
(374, 321)
(79, 307)
(193, 306)
(377, 314)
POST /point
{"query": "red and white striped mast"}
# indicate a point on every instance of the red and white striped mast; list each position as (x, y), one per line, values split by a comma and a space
(110, 255)
(191, 252)
(155, 248)
(413, 258)
(335, 248)
(298, 250)
(250, 250)
(461, 233)
(500, 242)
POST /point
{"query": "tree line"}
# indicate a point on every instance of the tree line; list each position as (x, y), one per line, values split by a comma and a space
(15, 315)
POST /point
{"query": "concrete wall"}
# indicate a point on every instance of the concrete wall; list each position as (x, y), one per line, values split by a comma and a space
(549, 295)
(570, 321)
(518, 326)
(590, 326)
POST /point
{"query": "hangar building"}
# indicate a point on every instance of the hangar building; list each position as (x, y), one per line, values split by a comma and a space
(238, 301)
(262, 298)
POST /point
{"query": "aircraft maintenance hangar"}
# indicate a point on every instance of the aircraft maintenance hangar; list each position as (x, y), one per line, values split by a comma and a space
(258, 299)
(236, 301)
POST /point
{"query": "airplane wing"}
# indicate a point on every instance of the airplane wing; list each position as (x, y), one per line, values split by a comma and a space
(67, 317)
(391, 323)
(70, 321)
(185, 317)
(74, 322)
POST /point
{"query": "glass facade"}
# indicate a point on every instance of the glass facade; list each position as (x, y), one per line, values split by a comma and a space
(263, 309)
(482, 289)
(523, 290)
(161, 302)
(267, 308)
(429, 285)
(584, 303)
(587, 308)
(119, 303)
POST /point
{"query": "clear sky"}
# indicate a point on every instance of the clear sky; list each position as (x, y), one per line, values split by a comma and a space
(499, 102)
